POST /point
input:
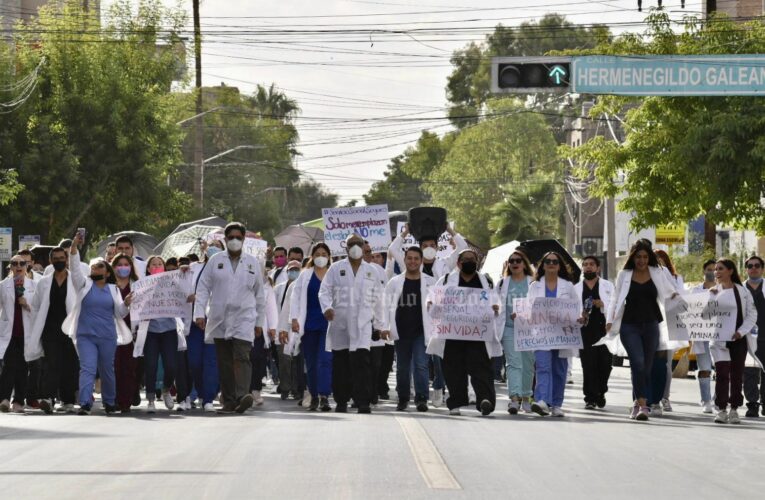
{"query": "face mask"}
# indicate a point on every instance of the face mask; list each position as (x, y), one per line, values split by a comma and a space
(122, 271)
(355, 252)
(755, 280)
(280, 261)
(59, 266)
(590, 275)
(710, 276)
(234, 245)
(429, 253)
(293, 274)
(97, 277)
(469, 267)
(156, 270)
(320, 262)
(212, 251)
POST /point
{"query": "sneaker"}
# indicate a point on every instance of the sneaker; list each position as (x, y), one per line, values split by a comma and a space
(365, 409)
(168, 399)
(17, 408)
(601, 402)
(721, 417)
(438, 398)
(68, 408)
(314, 404)
(666, 405)
(526, 406)
(751, 412)
(540, 408)
(402, 405)
(46, 405)
(422, 406)
(208, 408)
(471, 396)
(590, 406)
(181, 407)
(657, 410)
(634, 412)
(5, 406)
(512, 407)
(151, 407)
(324, 404)
(708, 408)
(84, 410)
(306, 399)
(486, 407)
(244, 404)
(643, 414)
(557, 411)
(341, 408)
(733, 417)
(455, 412)
(257, 398)
(109, 409)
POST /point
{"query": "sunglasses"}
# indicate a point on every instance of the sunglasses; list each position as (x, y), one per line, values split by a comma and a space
(753, 266)
(551, 262)
(515, 261)
(18, 263)
(229, 238)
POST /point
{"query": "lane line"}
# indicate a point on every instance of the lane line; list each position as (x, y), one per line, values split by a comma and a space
(432, 467)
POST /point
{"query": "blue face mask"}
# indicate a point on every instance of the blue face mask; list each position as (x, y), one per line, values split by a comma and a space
(755, 280)
(212, 251)
(293, 274)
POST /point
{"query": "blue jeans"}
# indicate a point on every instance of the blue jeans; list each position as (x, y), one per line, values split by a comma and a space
(704, 364)
(640, 340)
(519, 367)
(659, 376)
(552, 371)
(318, 363)
(410, 354)
(97, 354)
(158, 344)
(203, 365)
(438, 373)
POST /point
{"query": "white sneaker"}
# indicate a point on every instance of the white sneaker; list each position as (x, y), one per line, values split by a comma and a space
(67, 408)
(666, 405)
(183, 406)
(526, 406)
(656, 410)
(257, 397)
(306, 399)
(540, 408)
(557, 411)
(209, 408)
(722, 417)
(151, 408)
(168, 399)
(438, 398)
(471, 395)
(733, 417)
(455, 411)
(707, 407)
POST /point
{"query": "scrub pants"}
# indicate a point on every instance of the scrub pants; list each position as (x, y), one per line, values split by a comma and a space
(551, 372)
(97, 353)
(519, 367)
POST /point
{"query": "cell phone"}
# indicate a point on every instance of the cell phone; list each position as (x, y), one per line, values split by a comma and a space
(82, 233)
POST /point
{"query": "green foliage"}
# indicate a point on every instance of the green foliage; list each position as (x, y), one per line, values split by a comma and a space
(689, 266)
(525, 214)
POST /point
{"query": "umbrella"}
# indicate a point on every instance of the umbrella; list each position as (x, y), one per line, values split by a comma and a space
(215, 222)
(299, 235)
(496, 258)
(536, 249)
(184, 242)
(143, 244)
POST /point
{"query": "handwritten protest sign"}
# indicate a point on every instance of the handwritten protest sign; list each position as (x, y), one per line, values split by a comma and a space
(460, 313)
(161, 296)
(544, 324)
(371, 223)
(445, 248)
(702, 317)
(255, 246)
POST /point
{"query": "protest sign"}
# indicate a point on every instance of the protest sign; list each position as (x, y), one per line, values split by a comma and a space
(460, 313)
(445, 247)
(161, 296)
(255, 246)
(371, 223)
(28, 241)
(702, 317)
(6, 243)
(544, 324)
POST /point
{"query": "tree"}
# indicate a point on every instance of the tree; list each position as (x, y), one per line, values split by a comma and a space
(518, 216)
(272, 103)
(683, 156)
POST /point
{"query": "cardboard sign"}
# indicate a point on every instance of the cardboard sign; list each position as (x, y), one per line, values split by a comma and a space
(161, 296)
(371, 223)
(460, 313)
(702, 317)
(544, 324)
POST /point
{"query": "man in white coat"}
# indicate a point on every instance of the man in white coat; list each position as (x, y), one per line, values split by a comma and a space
(230, 294)
(351, 298)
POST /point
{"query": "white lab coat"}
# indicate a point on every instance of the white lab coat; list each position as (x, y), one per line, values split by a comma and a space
(606, 291)
(8, 310)
(233, 301)
(719, 350)
(382, 275)
(33, 348)
(393, 292)
(493, 346)
(565, 290)
(279, 275)
(358, 303)
(441, 267)
(271, 320)
(284, 294)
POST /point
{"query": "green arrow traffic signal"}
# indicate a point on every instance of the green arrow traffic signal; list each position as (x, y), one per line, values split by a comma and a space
(557, 73)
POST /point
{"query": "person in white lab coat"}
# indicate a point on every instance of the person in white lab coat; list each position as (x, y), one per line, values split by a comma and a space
(351, 298)
(431, 264)
(291, 371)
(377, 350)
(230, 308)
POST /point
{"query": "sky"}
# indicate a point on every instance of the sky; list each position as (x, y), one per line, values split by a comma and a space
(369, 75)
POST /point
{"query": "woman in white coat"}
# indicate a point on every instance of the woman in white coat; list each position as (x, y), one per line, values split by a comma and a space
(96, 325)
(553, 280)
(661, 375)
(730, 357)
(635, 314)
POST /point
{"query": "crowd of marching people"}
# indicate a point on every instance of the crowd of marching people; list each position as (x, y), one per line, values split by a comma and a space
(328, 331)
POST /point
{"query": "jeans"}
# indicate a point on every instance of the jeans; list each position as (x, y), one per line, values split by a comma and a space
(519, 367)
(438, 373)
(158, 344)
(203, 365)
(704, 364)
(318, 363)
(551, 371)
(97, 353)
(640, 340)
(658, 377)
(410, 353)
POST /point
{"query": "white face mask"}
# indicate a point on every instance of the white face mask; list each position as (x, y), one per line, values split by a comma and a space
(320, 262)
(429, 253)
(355, 252)
(234, 245)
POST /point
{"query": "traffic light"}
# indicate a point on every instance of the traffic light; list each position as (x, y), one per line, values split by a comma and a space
(530, 75)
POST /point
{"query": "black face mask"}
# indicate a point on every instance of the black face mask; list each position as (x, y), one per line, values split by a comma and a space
(469, 267)
(97, 277)
(590, 275)
(59, 266)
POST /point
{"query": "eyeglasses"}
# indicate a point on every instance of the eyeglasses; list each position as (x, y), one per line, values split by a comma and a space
(515, 261)
(18, 263)
(754, 266)
(552, 262)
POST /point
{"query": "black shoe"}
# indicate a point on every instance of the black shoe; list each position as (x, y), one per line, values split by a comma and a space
(314, 404)
(422, 406)
(46, 406)
(763, 410)
(385, 396)
(244, 404)
(324, 404)
(589, 406)
(109, 409)
(285, 395)
(136, 399)
(601, 402)
(84, 410)
(341, 408)
(401, 406)
(365, 409)
(226, 410)
(375, 401)
(752, 412)
(486, 407)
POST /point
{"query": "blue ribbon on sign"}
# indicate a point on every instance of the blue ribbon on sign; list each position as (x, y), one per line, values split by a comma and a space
(484, 295)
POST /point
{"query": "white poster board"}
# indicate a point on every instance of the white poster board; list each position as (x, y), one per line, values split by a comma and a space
(544, 324)
(161, 296)
(460, 313)
(28, 241)
(702, 317)
(371, 223)
(6, 243)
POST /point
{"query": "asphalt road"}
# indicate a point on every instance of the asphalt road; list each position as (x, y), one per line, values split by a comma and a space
(281, 451)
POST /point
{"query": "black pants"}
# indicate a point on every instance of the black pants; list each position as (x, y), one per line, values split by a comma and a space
(596, 365)
(754, 381)
(351, 376)
(259, 360)
(60, 368)
(182, 376)
(13, 379)
(386, 366)
(375, 358)
(463, 358)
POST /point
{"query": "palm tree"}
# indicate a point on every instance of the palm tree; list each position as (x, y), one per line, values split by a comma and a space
(273, 103)
(528, 212)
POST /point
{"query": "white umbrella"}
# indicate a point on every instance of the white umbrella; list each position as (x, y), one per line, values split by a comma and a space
(496, 259)
(299, 235)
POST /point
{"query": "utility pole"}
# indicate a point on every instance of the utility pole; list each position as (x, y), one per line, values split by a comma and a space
(199, 164)
(710, 230)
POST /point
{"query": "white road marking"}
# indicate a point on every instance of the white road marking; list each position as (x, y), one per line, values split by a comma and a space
(432, 467)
